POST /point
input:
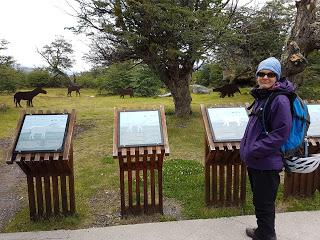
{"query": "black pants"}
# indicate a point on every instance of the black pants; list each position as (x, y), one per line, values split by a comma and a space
(264, 186)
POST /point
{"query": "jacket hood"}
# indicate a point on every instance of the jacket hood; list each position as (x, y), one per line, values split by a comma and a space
(284, 85)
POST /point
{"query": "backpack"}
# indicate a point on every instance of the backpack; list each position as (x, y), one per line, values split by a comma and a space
(295, 149)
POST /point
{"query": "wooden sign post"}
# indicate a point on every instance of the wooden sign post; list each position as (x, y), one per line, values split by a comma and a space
(49, 171)
(225, 174)
(305, 184)
(140, 142)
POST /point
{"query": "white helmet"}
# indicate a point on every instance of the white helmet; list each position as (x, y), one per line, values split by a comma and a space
(303, 165)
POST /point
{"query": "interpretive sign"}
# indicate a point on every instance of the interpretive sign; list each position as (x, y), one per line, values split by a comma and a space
(42, 133)
(139, 128)
(225, 173)
(227, 123)
(140, 143)
(314, 128)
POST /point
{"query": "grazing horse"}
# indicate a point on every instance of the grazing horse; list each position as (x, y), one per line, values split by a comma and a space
(228, 89)
(126, 91)
(74, 88)
(27, 96)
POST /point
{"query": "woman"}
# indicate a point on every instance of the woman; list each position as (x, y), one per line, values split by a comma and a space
(260, 150)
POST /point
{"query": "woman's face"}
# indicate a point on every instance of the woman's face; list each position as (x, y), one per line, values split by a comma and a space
(266, 79)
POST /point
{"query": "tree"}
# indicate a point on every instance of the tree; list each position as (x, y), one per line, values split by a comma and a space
(208, 75)
(304, 39)
(10, 78)
(99, 52)
(4, 59)
(59, 56)
(309, 89)
(170, 36)
(254, 35)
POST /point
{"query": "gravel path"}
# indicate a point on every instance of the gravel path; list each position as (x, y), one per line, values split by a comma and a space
(11, 178)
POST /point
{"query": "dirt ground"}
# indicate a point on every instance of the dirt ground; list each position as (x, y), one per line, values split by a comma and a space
(111, 216)
(13, 196)
(13, 181)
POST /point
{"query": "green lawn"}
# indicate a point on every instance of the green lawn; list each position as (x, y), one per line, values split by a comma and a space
(96, 173)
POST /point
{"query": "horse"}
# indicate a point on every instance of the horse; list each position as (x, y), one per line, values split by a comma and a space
(29, 95)
(73, 88)
(38, 130)
(228, 89)
(126, 91)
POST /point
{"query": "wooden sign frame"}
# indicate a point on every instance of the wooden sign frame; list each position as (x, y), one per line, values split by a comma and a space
(225, 173)
(50, 176)
(141, 162)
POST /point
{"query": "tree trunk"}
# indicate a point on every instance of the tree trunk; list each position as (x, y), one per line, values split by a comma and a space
(179, 87)
(304, 38)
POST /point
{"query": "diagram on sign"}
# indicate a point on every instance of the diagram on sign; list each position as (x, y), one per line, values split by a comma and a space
(314, 127)
(227, 124)
(139, 128)
(42, 133)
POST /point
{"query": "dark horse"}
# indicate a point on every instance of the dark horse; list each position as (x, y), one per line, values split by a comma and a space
(74, 88)
(126, 91)
(228, 89)
(27, 96)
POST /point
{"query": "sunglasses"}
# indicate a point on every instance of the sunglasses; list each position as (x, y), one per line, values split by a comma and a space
(269, 75)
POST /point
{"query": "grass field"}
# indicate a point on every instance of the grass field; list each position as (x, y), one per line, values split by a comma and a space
(96, 173)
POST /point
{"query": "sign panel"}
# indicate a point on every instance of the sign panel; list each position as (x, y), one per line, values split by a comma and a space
(227, 124)
(139, 128)
(42, 133)
(314, 128)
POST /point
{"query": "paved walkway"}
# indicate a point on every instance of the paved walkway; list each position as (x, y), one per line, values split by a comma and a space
(290, 226)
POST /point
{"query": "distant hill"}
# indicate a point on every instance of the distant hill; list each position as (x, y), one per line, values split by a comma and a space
(26, 69)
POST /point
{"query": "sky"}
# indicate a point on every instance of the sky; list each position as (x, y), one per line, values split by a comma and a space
(28, 25)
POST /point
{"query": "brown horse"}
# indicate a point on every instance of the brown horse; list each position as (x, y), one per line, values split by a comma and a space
(74, 88)
(27, 96)
(126, 91)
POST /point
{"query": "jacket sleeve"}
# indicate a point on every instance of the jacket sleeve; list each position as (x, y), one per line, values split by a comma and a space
(281, 122)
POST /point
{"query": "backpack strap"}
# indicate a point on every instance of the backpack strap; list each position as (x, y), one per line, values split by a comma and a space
(252, 104)
(255, 112)
(267, 107)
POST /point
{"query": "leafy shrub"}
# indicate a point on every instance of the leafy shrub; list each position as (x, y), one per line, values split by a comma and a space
(39, 78)
(87, 80)
(146, 82)
(208, 75)
(309, 93)
(113, 78)
(124, 75)
(59, 81)
(8, 79)
(43, 78)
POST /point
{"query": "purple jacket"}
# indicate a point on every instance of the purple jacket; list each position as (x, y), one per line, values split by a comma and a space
(257, 149)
